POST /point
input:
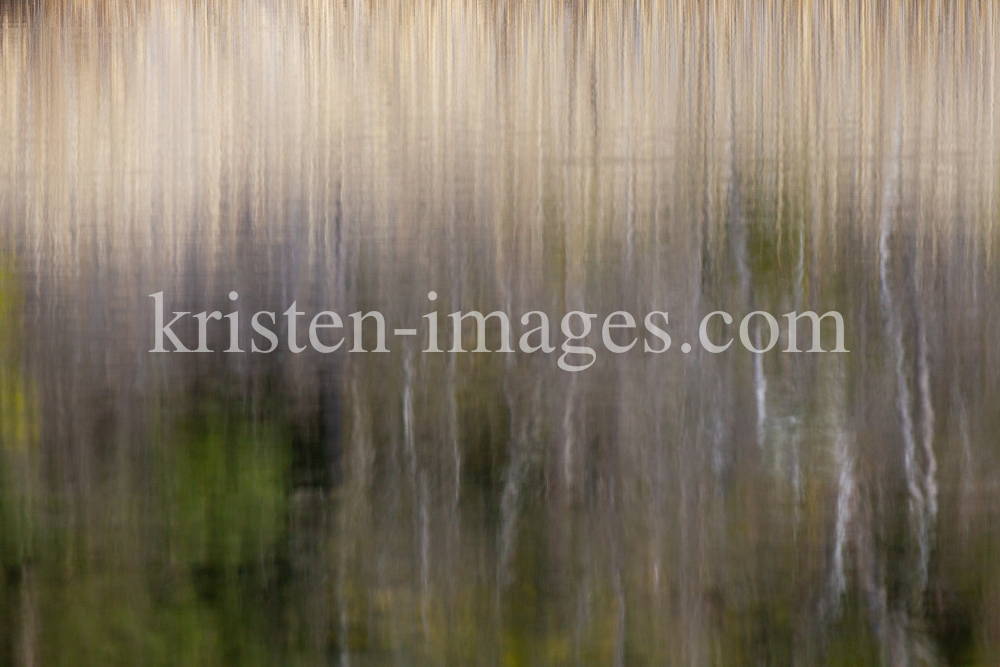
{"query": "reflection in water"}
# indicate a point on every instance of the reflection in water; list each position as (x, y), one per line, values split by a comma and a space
(476, 509)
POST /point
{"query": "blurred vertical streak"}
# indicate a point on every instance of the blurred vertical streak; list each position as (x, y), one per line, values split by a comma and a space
(641, 156)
